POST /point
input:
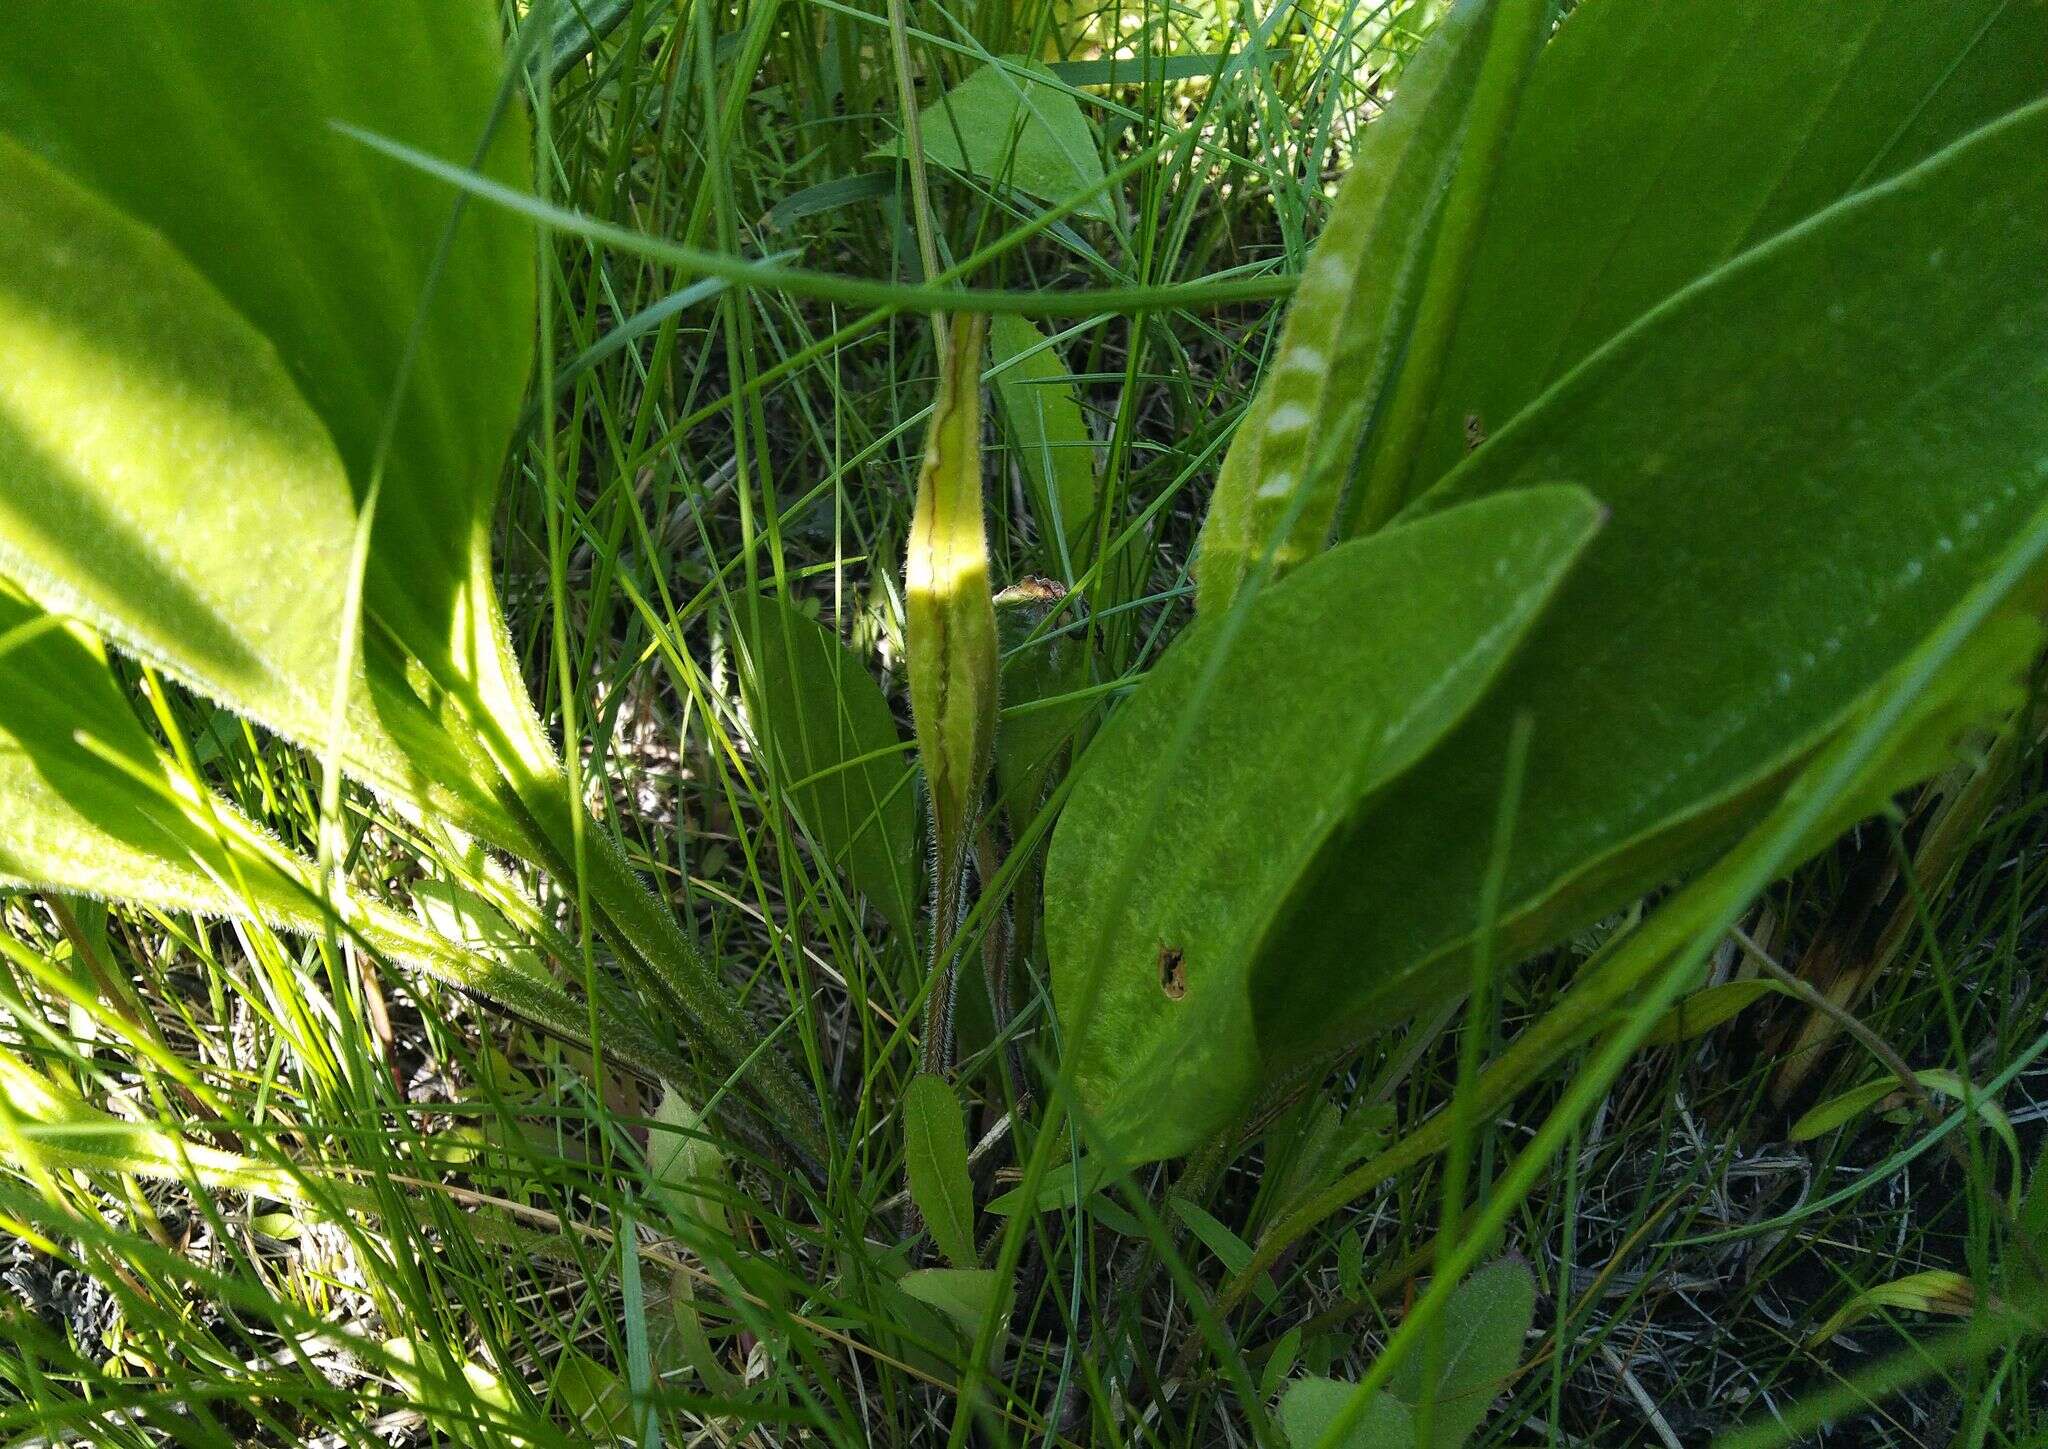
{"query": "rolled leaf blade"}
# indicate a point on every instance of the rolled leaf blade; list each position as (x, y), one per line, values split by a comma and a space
(1278, 492)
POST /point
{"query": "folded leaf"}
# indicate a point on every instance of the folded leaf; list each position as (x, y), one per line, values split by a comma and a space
(1809, 458)
(1659, 140)
(1279, 487)
(1216, 784)
(1935, 1291)
(830, 742)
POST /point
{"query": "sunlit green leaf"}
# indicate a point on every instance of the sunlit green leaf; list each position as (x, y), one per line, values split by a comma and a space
(1280, 485)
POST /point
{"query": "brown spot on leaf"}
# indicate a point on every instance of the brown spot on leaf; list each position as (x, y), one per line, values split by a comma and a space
(1173, 972)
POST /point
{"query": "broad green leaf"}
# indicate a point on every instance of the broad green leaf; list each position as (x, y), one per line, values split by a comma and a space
(1936, 1291)
(1214, 786)
(967, 1296)
(1483, 1328)
(830, 743)
(1809, 459)
(1040, 409)
(1009, 123)
(1278, 491)
(1973, 666)
(1312, 1405)
(1660, 140)
(935, 1156)
(213, 122)
(213, 186)
(1707, 1008)
(151, 444)
(93, 806)
(595, 1398)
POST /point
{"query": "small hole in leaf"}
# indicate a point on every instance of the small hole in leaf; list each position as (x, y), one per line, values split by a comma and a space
(1173, 972)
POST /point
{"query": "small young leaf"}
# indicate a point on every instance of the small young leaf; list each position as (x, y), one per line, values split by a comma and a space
(595, 1398)
(1846, 1107)
(1484, 1326)
(1007, 124)
(830, 741)
(1931, 1292)
(1312, 1405)
(935, 1155)
(1269, 733)
(1231, 1251)
(1041, 412)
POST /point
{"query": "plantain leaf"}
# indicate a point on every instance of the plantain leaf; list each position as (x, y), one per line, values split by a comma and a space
(138, 379)
(1214, 786)
(830, 741)
(1810, 457)
(1658, 141)
(935, 1156)
(350, 327)
(1280, 484)
(1311, 1405)
(1007, 124)
(204, 131)
(1483, 1326)
(1041, 411)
